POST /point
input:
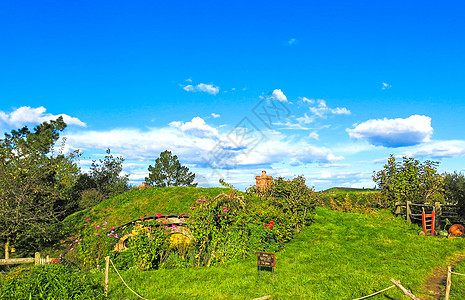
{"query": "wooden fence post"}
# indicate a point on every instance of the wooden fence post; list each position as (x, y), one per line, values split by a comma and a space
(406, 292)
(438, 210)
(409, 212)
(7, 249)
(397, 209)
(107, 269)
(448, 282)
(37, 258)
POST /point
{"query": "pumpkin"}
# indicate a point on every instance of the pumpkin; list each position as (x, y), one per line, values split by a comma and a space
(456, 229)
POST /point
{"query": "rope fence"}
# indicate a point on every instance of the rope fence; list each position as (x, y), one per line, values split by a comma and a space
(107, 261)
(449, 281)
(376, 293)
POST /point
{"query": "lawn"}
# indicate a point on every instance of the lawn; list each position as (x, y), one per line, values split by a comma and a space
(340, 256)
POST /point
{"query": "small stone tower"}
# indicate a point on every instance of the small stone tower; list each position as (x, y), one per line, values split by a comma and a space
(263, 181)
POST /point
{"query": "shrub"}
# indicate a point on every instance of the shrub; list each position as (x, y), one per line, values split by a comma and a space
(49, 282)
(90, 198)
(360, 202)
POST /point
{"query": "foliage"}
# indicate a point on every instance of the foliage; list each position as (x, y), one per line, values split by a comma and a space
(35, 186)
(50, 281)
(454, 190)
(90, 198)
(293, 197)
(409, 180)
(106, 175)
(169, 172)
(89, 248)
(360, 202)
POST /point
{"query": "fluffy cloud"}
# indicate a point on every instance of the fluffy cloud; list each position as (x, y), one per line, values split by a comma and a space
(398, 132)
(201, 145)
(441, 149)
(385, 86)
(314, 136)
(322, 109)
(196, 128)
(215, 115)
(292, 41)
(202, 87)
(28, 115)
(279, 95)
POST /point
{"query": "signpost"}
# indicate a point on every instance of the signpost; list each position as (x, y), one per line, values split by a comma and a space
(266, 260)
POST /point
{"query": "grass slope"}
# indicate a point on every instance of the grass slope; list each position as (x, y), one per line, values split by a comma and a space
(340, 256)
(335, 190)
(138, 203)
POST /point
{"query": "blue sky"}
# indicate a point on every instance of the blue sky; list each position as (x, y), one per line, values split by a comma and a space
(327, 89)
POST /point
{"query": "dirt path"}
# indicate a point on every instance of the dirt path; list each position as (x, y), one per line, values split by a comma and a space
(434, 286)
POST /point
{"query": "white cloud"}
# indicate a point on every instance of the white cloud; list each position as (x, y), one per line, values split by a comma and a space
(440, 149)
(215, 115)
(28, 115)
(196, 128)
(294, 162)
(314, 136)
(208, 88)
(292, 41)
(279, 95)
(398, 132)
(189, 80)
(322, 109)
(201, 87)
(188, 88)
(305, 119)
(385, 86)
(306, 100)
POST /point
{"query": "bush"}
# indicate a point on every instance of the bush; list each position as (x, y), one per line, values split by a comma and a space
(90, 198)
(454, 191)
(359, 202)
(49, 282)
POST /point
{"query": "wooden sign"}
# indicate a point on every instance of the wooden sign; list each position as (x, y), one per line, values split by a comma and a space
(266, 259)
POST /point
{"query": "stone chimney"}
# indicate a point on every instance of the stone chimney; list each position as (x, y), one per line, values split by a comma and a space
(263, 181)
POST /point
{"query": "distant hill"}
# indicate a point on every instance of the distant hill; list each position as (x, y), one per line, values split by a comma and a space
(336, 190)
(136, 204)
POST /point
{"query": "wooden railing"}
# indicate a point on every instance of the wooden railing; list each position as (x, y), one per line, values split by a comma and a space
(28, 260)
(412, 212)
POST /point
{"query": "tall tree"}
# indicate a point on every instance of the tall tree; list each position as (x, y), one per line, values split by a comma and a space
(107, 177)
(454, 190)
(169, 172)
(34, 185)
(409, 180)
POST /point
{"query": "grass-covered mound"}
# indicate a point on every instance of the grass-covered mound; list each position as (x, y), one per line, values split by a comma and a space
(138, 203)
(340, 256)
(335, 190)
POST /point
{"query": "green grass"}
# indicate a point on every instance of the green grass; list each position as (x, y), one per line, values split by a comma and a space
(340, 256)
(458, 282)
(335, 190)
(138, 203)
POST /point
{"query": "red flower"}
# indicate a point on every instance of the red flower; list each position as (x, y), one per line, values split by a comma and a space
(272, 223)
(270, 226)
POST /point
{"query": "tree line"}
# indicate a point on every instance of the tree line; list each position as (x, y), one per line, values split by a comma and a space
(409, 179)
(40, 185)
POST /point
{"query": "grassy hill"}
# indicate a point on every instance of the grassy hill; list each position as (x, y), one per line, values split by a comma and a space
(138, 203)
(335, 190)
(340, 256)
